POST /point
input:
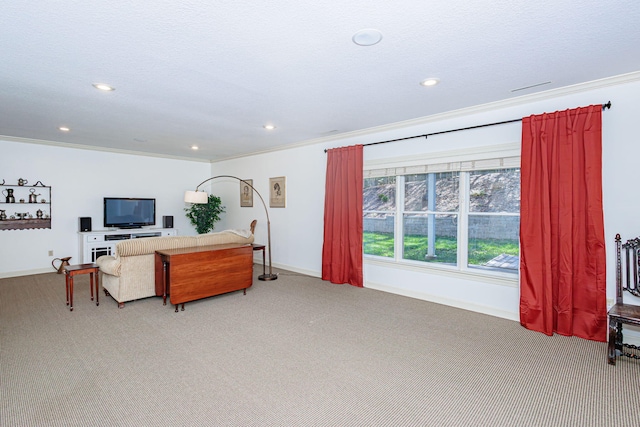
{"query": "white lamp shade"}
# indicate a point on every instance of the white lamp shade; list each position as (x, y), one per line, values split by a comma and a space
(199, 197)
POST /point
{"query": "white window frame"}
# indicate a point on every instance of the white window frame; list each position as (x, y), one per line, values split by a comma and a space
(504, 156)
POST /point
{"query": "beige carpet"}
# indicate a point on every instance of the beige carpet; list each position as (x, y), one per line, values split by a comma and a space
(293, 352)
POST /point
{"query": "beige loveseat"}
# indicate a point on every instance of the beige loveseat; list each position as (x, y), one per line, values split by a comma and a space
(130, 273)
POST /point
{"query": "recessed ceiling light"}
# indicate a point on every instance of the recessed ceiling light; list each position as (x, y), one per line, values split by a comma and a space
(269, 127)
(104, 87)
(194, 147)
(367, 37)
(64, 129)
(431, 81)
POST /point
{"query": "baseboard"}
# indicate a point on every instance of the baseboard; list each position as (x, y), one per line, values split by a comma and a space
(631, 334)
(25, 272)
(412, 294)
(478, 308)
(294, 269)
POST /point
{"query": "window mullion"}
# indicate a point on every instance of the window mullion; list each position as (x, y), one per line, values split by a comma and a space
(463, 222)
(399, 222)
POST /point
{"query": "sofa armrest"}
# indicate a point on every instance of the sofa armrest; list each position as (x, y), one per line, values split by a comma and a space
(109, 265)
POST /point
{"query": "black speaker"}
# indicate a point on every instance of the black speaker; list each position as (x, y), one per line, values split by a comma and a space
(85, 223)
(167, 221)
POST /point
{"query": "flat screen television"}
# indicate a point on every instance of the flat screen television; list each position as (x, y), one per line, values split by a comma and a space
(123, 212)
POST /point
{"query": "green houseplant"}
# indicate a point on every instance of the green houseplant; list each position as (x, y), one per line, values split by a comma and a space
(205, 215)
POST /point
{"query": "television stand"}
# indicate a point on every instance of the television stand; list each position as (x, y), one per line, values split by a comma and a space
(94, 244)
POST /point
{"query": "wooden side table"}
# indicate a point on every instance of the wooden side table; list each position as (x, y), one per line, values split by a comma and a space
(259, 247)
(72, 270)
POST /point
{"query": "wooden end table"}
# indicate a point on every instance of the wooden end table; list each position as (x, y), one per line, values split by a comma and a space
(73, 270)
(260, 247)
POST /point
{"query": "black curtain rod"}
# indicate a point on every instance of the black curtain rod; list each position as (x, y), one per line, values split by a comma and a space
(426, 135)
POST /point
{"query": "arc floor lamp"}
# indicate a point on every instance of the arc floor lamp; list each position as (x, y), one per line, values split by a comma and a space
(201, 197)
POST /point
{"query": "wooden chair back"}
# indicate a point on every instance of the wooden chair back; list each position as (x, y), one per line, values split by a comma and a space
(627, 267)
(627, 279)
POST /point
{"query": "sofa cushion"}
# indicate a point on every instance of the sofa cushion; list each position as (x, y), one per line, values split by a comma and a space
(221, 238)
(149, 245)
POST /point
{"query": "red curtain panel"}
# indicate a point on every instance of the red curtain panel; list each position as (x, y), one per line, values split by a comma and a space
(342, 247)
(562, 258)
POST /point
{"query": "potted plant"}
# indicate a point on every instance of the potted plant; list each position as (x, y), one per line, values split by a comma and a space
(205, 215)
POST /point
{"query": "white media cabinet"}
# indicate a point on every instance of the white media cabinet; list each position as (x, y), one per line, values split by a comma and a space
(94, 244)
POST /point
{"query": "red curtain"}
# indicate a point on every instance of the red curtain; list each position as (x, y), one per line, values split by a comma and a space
(342, 247)
(562, 258)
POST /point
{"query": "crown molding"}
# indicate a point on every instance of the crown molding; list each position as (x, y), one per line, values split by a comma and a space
(462, 112)
(95, 148)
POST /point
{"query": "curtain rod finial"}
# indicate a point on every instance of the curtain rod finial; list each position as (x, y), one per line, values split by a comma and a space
(607, 106)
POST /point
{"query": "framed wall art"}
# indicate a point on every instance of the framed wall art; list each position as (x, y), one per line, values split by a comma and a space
(278, 192)
(246, 193)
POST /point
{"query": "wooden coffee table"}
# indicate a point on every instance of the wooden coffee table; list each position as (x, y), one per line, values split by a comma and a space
(73, 270)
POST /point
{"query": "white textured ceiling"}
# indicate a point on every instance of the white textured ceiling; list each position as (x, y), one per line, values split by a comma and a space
(212, 73)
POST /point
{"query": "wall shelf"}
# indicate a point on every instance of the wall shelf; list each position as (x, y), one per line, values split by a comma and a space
(37, 215)
(25, 224)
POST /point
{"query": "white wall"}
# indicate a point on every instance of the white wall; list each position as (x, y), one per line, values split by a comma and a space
(297, 229)
(80, 179)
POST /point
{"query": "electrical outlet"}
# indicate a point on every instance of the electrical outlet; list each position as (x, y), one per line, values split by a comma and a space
(50, 253)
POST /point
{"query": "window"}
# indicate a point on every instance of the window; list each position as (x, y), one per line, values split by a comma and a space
(463, 215)
(430, 217)
(379, 211)
(494, 219)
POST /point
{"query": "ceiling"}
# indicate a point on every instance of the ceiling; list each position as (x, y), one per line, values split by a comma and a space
(212, 73)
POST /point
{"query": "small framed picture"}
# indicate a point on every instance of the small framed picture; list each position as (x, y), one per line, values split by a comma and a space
(278, 192)
(246, 193)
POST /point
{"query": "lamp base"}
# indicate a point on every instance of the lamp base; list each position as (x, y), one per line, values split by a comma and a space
(266, 277)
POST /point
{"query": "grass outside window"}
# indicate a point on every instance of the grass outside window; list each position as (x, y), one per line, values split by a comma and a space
(415, 248)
